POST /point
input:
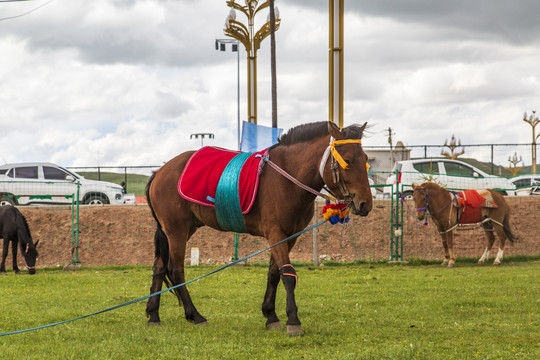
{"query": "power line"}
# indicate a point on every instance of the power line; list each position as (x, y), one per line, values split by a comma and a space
(26, 13)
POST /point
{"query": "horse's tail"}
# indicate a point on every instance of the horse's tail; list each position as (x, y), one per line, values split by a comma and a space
(161, 242)
(507, 229)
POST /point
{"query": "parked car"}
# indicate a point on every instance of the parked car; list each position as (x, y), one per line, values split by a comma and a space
(46, 183)
(452, 174)
(527, 184)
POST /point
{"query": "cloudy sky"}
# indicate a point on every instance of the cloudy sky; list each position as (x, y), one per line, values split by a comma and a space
(125, 82)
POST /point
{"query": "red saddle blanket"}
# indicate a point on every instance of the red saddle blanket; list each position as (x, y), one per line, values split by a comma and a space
(200, 178)
(471, 203)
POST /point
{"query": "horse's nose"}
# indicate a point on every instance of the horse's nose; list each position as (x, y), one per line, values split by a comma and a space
(364, 209)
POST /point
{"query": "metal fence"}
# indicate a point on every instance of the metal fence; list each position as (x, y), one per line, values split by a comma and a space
(123, 234)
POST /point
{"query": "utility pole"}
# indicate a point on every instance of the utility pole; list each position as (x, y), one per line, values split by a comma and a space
(273, 62)
(390, 142)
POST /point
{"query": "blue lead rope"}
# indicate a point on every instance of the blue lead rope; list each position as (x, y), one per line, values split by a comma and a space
(168, 289)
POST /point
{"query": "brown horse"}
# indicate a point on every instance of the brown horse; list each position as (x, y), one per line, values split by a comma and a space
(447, 213)
(281, 209)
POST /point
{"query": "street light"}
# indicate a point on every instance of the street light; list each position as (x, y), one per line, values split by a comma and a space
(251, 41)
(202, 136)
(533, 121)
(220, 45)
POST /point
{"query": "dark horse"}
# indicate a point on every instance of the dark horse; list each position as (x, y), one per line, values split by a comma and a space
(446, 212)
(14, 228)
(281, 209)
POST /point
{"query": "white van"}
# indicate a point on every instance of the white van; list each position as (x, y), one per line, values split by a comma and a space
(451, 174)
(46, 183)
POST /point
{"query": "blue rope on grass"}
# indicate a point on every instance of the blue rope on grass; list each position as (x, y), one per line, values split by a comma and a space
(165, 290)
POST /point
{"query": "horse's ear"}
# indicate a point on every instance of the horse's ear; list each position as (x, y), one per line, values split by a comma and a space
(334, 131)
(414, 186)
(36, 244)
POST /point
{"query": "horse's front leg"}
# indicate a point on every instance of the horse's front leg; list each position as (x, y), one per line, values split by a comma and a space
(14, 244)
(289, 278)
(445, 247)
(5, 248)
(450, 244)
(269, 302)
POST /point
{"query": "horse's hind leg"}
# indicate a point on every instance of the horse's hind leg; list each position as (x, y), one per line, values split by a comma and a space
(152, 307)
(490, 239)
(269, 302)
(175, 269)
(502, 240)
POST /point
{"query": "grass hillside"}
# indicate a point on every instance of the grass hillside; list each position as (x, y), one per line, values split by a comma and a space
(135, 182)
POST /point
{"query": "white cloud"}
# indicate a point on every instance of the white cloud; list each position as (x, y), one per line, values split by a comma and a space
(127, 82)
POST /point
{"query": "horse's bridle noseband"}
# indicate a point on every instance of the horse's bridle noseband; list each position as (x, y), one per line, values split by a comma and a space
(427, 201)
(335, 163)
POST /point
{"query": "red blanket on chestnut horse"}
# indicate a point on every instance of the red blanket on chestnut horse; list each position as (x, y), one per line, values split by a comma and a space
(200, 178)
(471, 203)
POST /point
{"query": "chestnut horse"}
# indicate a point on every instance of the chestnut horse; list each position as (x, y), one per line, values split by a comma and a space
(439, 203)
(281, 209)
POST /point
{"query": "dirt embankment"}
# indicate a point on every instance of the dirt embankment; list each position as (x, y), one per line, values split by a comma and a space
(118, 235)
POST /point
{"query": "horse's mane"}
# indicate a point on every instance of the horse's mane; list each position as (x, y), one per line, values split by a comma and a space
(306, 132)
(27, 229)
(431, 186)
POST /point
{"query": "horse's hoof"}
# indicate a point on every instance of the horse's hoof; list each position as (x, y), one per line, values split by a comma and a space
(153, 323)
(202, 323)
(295, 330)
(496, 264)
(274, 326)
(451, 265)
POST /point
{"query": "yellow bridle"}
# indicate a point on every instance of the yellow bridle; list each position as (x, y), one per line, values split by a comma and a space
(338, 156)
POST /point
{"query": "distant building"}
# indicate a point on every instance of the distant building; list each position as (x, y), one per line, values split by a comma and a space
(382, 161)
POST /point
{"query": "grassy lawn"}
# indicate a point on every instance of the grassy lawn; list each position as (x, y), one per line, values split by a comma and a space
(348, 312)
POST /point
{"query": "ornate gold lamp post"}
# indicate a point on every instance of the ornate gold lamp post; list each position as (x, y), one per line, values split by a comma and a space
(453, 154)
(533, 121)
(513, 168)
(251, 41)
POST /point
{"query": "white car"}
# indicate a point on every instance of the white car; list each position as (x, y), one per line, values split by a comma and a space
(451, 174)
(46, 183)
(527, 184)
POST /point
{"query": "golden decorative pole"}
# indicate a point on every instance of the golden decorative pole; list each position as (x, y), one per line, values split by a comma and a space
(335, 62)
(251, 41)
(533, 121)
(513, 168)
(452, 146)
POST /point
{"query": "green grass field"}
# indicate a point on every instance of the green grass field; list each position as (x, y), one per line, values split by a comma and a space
(376, 311)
